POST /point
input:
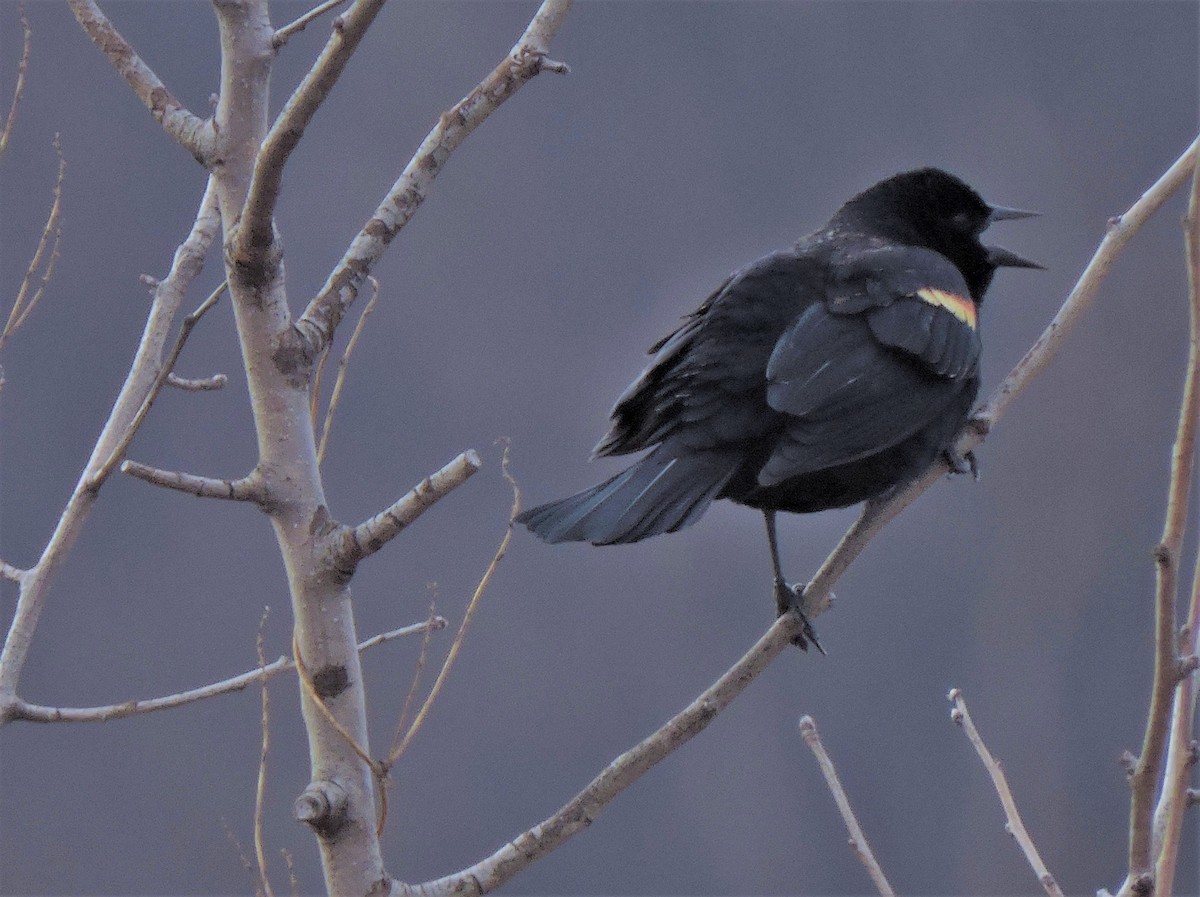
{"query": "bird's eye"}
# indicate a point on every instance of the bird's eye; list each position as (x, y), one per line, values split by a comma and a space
(962, 221)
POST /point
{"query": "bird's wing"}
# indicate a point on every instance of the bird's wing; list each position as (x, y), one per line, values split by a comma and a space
(705, 383)
(892, 346)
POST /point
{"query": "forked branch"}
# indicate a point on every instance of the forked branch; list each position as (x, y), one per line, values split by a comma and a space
(312, 332)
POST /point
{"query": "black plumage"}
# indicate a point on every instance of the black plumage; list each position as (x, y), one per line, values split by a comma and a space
(814, 378)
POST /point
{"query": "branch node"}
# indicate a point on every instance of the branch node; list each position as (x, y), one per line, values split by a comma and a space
(1128, 761)
(322, 807)
(1188, 664)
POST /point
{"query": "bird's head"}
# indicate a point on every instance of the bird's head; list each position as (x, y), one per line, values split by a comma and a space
(936, 210)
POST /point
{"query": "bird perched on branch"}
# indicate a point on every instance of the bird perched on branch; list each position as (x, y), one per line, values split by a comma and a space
(816, 377)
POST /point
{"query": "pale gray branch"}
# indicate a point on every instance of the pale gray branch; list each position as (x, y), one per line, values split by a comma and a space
(38, 713)
(285, 33)
(371, 535)
(255, 236)
(858, 838)
(185, 330)
(248, 488)
(197, 384)
(1015, 826)
(35, 583)
(315, 329)
(188, 130)
(530, 846)
(1181, 757)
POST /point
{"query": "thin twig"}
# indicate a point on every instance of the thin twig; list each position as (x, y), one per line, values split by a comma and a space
(335, 397)
(260, 791)
(185, 330)
(293, 880)
(1014, 826)
(385, 781)
(358, 542)
(35, 584)
(1180, 759)
(11, 573)
(310, 689)
(422, 659)
(398, 751)
(243, 857)
(197, 384)
(285, 33)
(22, 67)
(51, 237)
(190, 131)
(314, 331)
(41, 714)
(858, 838)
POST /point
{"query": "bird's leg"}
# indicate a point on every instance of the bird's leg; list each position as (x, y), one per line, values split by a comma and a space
(788, 598)
(962, 463)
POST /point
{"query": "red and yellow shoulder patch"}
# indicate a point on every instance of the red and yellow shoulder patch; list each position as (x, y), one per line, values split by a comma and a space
(959, 306)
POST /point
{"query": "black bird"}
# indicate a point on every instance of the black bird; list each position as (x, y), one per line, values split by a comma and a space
(816, 377)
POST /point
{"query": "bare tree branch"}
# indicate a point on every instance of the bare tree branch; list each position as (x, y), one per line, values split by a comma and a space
(1181, 749)
(260, 790)
(315, 329)
(399, 749)
(185, 330)
(35, 583)
(255, 233)
(19, 89)
(248, 488)
(1014, 826)
(343, 363)
(51, 238)
(858, 838)
(284, 34)
(37, 713)
(11, 573)
(371, 535)
(581, 810)
(190, 131)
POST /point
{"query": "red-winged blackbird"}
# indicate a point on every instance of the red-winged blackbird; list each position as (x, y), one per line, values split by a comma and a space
(816, 377)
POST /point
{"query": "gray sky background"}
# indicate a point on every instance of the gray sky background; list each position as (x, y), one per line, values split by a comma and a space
(570, 232)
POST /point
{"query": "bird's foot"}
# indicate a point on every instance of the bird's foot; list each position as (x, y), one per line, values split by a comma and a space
(962, 463)
(789, 599)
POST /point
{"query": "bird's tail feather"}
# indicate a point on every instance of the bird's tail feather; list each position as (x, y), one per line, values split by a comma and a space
(661, 493)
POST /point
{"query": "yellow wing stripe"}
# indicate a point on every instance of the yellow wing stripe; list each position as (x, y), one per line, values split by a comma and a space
(959, 306)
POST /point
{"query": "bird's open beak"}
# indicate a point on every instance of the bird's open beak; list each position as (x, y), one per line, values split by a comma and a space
(1004, 258)
(1004, 213)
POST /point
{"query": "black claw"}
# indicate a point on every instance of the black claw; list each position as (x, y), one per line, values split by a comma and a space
(964, 463)
(790, 599)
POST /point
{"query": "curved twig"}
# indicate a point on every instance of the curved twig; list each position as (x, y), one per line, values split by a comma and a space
(37, 713)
